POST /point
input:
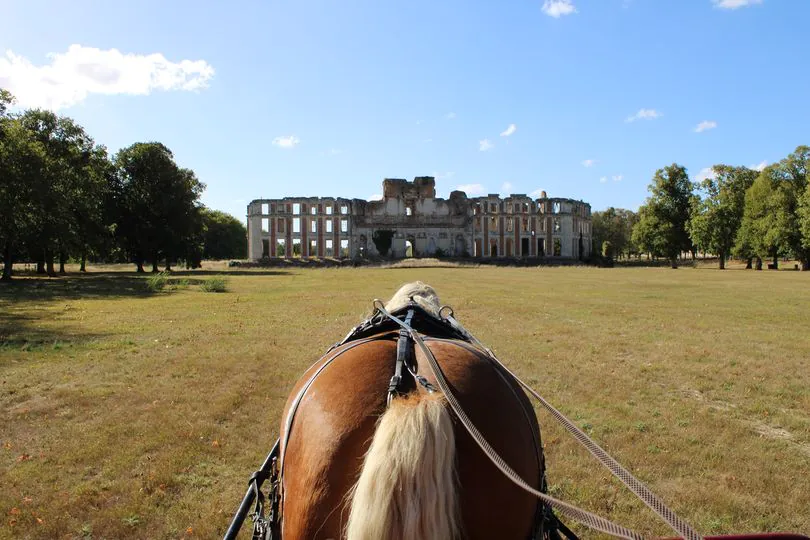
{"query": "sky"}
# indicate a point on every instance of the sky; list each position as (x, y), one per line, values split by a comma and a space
(581, 98)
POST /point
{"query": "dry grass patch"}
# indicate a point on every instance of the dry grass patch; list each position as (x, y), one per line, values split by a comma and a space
(128, 413)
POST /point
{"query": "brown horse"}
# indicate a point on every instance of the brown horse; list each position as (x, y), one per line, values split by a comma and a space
(354, 465)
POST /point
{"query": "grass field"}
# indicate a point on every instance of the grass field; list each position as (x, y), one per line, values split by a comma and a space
(130, 414)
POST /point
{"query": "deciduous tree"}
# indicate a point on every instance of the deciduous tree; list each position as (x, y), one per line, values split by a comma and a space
(225, 237)
(158, 203)
(22, 158)
(662, 220)
(716, 217)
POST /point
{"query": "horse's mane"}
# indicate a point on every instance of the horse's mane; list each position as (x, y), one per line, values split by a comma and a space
(421, 293)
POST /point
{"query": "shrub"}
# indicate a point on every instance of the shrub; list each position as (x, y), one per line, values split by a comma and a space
(157, 282)
(215, 284)
(181, 284)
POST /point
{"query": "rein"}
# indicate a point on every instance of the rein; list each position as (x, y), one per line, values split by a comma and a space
(584, 517)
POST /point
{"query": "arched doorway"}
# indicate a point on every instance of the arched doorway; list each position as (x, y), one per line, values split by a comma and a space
(461, 246)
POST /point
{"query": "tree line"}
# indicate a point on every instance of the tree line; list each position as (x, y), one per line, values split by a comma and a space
(737, 211)
(63, 197)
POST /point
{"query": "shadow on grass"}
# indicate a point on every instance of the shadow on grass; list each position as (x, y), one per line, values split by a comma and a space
(229, 272)
(72, 286)
(25, 332)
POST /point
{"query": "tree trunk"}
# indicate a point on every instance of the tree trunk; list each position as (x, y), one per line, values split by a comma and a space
(775, 261)
(62, 259)
(674, 262)
(758, 265)
(49, 263)
(805, 265)
(722, 261)
(82, 264)
(749, 263)
(7, 261)
(155, 266)
(41, 263)
(139, 264)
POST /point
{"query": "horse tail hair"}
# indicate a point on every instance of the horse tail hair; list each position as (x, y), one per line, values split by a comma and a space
(407, 486)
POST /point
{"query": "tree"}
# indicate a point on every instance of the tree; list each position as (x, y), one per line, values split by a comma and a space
(225, 237)
(6, 100)
(715, 218)
(792, 172)
(650, 233)
(91, 219)
(61, 186)
(22, 158)
(661, 229)
(803, 214)
(767, 221)
(158, 204)
(614, 225)
(772, 217)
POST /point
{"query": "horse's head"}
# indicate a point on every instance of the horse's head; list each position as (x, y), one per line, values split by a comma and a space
(421, 293)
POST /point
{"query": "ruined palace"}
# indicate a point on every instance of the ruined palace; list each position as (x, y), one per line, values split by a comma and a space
(410, 221)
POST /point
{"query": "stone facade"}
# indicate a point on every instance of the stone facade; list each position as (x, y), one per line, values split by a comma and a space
(411, 221)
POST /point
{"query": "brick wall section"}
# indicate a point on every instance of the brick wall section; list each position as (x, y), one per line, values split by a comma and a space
(288, 239)
(501, 244)
(272, 237)
(320, 234)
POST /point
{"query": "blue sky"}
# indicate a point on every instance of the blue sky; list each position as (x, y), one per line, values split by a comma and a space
(320, 97)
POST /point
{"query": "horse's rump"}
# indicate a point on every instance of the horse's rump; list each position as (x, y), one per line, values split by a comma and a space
(336, 419)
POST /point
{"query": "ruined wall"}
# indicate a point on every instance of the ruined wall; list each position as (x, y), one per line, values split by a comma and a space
(411, 221)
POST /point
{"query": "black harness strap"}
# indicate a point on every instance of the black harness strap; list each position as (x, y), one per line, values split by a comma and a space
(402, 382)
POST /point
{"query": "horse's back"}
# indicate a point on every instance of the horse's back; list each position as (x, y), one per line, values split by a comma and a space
(335, 421)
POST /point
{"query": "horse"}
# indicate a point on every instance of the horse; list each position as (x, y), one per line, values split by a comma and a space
(362, 463)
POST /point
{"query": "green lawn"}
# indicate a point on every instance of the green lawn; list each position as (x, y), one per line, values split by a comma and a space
(134, 414)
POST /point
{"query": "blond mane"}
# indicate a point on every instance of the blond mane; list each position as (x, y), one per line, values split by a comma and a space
(423, 294)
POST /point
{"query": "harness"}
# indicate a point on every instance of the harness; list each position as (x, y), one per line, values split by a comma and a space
(417, 321)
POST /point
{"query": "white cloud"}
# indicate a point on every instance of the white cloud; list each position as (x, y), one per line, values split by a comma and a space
(442, 176)
(536, 193)
(450, 116)
(508, 131)
(602, 179)
(734, 4)
(428, 140)
(485, 145)
(644, 114)
(704, 173)
(506, 188)
(759, 166)
(332, 151)
(472, 189)
(288, 141)
(375, 197)
(558, 8)
(618, 177)
(589, 163)
(72, 76)
(705, 125)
